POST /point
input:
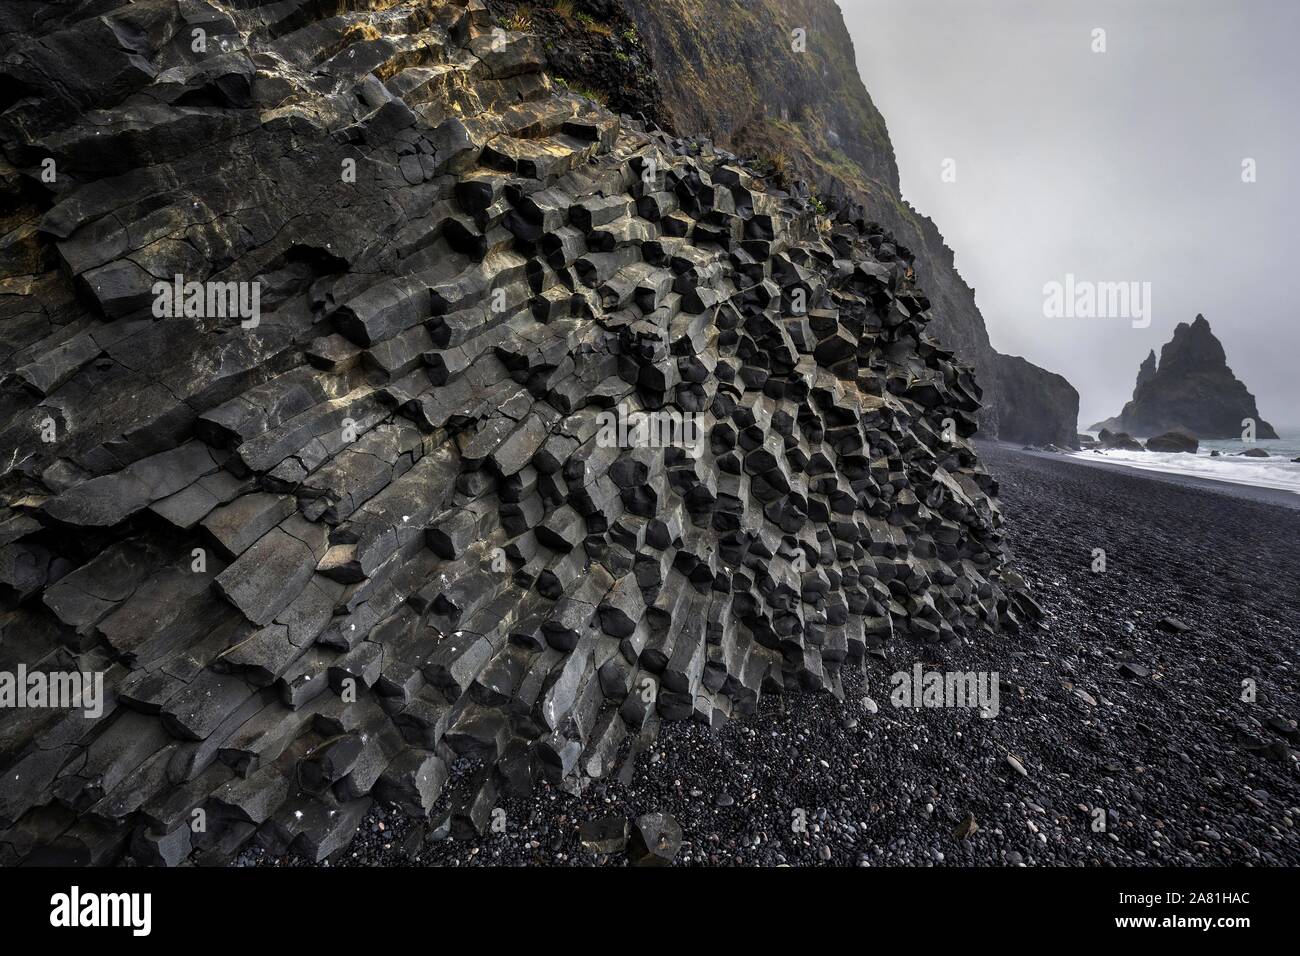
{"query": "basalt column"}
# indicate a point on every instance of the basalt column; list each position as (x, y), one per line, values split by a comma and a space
(313, 318)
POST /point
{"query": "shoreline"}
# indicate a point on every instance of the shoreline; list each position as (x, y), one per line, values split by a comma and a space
(1274, 496)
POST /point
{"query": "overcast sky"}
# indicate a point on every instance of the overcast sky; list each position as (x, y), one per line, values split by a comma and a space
(1117, 166)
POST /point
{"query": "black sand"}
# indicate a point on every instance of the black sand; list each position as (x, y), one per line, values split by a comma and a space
(1186, 771)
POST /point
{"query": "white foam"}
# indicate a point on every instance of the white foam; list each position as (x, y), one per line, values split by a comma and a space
(1274, 472)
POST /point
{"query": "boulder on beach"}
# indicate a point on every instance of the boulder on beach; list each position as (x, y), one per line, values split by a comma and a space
(1175, 441)
(1122, 441)
(655, 840)
(1254, 453)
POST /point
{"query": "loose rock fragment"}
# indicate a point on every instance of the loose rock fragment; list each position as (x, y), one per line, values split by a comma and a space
(655, 841)
(966, 829)
(606, 835)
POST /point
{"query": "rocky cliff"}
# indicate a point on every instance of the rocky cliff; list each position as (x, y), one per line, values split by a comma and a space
(1192, 389)
(372, 404)
(1146, 371)
(727, 69)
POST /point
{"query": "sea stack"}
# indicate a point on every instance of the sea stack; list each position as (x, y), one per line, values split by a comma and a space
(1192, 390)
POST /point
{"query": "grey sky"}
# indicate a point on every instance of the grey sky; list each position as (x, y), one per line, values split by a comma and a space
(1115, 166)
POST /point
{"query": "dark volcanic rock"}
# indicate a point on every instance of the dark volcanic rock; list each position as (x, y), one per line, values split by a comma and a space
(1147, 370)
(1174, 442)
(1035, 405)
(1193, 390)
(489, 430)
(1121, 440)
(728, 71)
(656, 840)
(605, 835)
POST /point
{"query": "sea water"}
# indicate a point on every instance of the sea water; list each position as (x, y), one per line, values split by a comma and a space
(1276, 471)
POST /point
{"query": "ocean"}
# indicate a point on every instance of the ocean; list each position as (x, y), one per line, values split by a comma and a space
(1277, 471)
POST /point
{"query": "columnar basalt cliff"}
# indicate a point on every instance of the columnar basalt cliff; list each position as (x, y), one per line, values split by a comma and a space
(1191, 390)
(727, 69)
(319, 322)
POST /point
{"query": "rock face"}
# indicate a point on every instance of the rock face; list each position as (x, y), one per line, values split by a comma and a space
(1147, 370)
(729, 71)
(369, 402)
(1192, 390)
(1038, 403)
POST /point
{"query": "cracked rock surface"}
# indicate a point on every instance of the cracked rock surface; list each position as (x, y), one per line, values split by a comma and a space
(322, 550)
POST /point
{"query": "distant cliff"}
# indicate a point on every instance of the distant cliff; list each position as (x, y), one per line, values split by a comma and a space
(1192, 389)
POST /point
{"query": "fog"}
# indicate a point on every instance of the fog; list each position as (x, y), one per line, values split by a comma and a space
(1116, 166)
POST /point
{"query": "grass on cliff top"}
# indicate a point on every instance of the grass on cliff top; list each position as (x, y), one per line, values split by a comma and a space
(598, 96)
(520, 21)
(565, 8)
